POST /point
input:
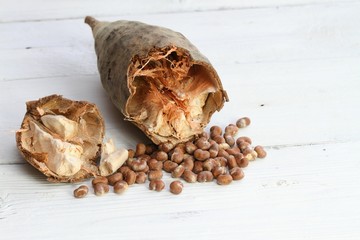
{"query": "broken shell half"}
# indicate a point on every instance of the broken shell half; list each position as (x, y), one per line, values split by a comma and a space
(61, 138)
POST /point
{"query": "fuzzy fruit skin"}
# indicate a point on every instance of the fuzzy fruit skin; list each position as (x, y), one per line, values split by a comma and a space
(56, 103)
(118, 44)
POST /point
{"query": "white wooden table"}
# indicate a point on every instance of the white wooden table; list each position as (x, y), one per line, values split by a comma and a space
(293, 67)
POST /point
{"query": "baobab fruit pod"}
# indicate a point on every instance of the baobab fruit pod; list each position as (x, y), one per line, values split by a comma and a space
(157, 79)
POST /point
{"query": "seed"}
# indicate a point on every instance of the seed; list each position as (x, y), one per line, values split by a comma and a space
(169, 166)
(222, 161)
(140, 149)
(166, 147)
(209, 164)
(205, 135)
(178, 171)
(189, 176)
(215, 130)
(251, 156)
(150, 148)
(233, 151)
(101, 189)
(188, 163)
(124, 169)
(81, 191)
(138, 165)
(155, 164)
(214, 150)
(99, 179)
(223, 153)
(130, 177)
(120, 187)
(224, 179)
(202, 143)
(198, 167)
(140, 177)
(243, 145)
(243, 122)
(157, 185)
(229, 139)
(231, 130)
(201, 155)
(190, 147)
(112, 179)
(260, 151)
(231, 162)
(131, 153)
(176, 187)
(161, 156)
(144, 157)
(155, 175)
(243, 138)
(177, 155)
(205, 176)
(219, 139)
(244, 162)
(224, 146)
(237, 173)
(218, 171)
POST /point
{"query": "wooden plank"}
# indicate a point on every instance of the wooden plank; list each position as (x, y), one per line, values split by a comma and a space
(65, 48)
(38, 10)
(307, 192)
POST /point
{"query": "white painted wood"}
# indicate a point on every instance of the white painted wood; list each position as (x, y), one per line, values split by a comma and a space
(307, 192)
(39, 10)
(299, 58)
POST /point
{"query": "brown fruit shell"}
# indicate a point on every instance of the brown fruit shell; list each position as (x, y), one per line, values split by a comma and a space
(74, 110)
(125, 48)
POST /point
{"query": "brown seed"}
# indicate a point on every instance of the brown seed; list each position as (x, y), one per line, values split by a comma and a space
(140, 149)
(231, 130)
(178, 171)
(233, 150)
(155, 175)
(101, 189)
(209, 164)
(205, 135)
(237, 173)
(188, 163)
(176, 187)
(138, 165)
(218, 171)
(201, 155)
(189, 176)
(130, 177)
(99, 179)
(120, 187)
(202, 143)
(177, 155)
(243, 122)
(144, 157)
(124, 169)
(114, 178)
(231, 162)
(214, 150)
(81, 191)
(169, 166)
(229, 139)
(222, 161)
(243, 138)
(224, 179)
(244, 162)
(198, 167)
(243, 145)
(155, 164)
(223, 153)
(205, 176)
(140, 177)
(215, 130)
(219, 139)
(260, 151)
(166, 147)
(251, 156)
(190, 147)
(161, 156)
(150, 148)
(247, 151)
(157, 185)
(131, 153)
(146, 170)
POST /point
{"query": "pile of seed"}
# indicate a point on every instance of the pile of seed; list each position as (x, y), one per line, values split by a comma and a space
(215, 156)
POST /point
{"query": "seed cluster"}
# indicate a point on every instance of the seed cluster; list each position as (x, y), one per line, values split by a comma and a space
(215, 156)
